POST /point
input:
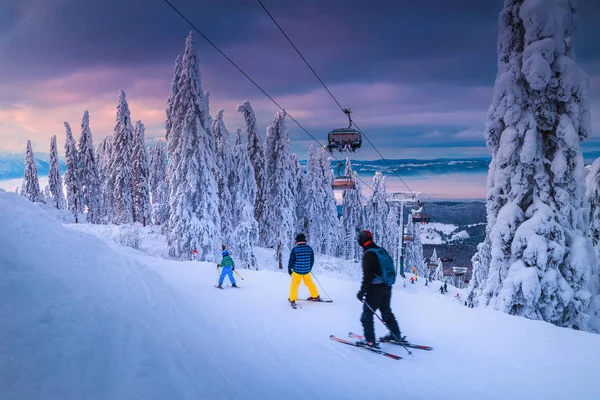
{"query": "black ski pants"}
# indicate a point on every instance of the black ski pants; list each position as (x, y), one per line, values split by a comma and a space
(378, 297)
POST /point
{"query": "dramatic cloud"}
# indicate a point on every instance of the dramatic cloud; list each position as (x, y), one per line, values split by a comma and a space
(418, 75)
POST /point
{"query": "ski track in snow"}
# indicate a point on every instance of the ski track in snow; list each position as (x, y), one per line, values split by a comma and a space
(84, 317)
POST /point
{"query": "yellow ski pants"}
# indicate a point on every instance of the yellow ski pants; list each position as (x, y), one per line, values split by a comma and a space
(296, 278)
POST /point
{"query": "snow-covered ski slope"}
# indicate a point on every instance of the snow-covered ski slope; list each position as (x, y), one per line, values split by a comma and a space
(85, 318)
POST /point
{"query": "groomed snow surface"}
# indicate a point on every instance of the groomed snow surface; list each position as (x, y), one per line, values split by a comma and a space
(82, 317)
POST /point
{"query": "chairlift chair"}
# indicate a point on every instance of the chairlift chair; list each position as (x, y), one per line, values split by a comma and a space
(342, 182)
(344, 139)
(420, 216)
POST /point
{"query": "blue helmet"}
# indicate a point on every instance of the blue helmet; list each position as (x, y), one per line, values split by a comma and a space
(225, 253)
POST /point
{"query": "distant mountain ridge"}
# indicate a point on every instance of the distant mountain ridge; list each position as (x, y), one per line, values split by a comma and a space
(12, 165)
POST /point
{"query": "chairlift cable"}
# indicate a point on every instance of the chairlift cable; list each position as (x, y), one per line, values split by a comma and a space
(331, 94)
(255, 84)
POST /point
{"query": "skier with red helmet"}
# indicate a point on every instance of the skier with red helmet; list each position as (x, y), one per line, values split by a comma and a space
(379, 275)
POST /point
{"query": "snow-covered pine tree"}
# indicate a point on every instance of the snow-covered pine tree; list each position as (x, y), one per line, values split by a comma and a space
(47, 196)
(90, 181)
(536, 259)
(378, 210)
(245, 232)
(413, 249)
(31, 184)
(54, 177)
(438, 275)
(329, 214)
(593, 196)
(121, 159)
(299, 195)
(104, 160)
(225, 171)
(171, 99)
(194, 221)
(140, 175)
(280, 203)
(256, 153)
(353, 217)
(159, 186)
(72, 178)
(313, 202)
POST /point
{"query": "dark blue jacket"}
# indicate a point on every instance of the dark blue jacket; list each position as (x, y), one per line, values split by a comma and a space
(302, 259)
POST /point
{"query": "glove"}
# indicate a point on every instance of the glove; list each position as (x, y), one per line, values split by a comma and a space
(290, 272)
(361, 295)
(218, 265)
(233, 268)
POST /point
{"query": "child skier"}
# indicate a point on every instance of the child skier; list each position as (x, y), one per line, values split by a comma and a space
(228, 266)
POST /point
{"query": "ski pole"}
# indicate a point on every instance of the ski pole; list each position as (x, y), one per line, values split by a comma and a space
(324, 291)
(238, 274)
(383, 322)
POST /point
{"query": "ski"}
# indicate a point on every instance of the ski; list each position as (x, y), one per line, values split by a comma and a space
(377, 351)
(405, 344)
(317, 301)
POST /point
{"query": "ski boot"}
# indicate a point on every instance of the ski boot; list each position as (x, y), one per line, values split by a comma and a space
(391, 338)
(220, 286)
(373, 345)
(234, 285)
(318, 298)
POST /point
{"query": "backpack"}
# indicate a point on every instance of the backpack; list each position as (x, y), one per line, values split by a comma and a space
(386, 263)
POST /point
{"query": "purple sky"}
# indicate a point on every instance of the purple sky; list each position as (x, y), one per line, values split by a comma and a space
(418, 75)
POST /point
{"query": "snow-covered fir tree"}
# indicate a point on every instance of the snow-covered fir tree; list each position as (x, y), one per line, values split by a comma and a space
(329, 215)
(72, 175)
(536, 259)
(159, 186)
(140, 175)
(413, 249)
(31, 183)
(47, 196)
(171, 99)
(194, 221)
(90, 181)
(245, 232)
(54, 177)
(280, 203)
(378, 210)
(256, 153)
(224, 175)
(353, 217)
(104, 159)
(593, 196)
(313, 202)
(121, 160)
(298, 191)
(438, 274)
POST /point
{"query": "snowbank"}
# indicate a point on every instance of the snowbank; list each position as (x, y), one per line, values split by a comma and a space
(81, 318)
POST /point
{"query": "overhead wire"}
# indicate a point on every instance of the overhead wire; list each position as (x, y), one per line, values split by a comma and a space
(331, 94)
(255, 84)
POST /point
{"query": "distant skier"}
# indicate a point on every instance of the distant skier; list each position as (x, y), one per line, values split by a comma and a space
(446, 287)
(426, 282)
(412, 280)
(457, 296)
(379, 275)
(441, 289)
(228, 266)
(300, 264)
